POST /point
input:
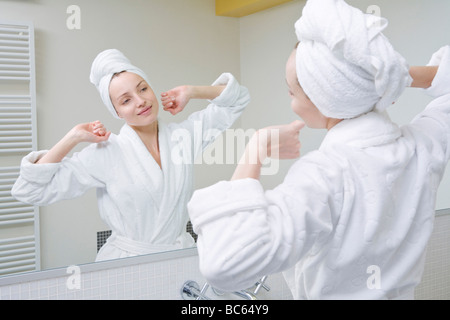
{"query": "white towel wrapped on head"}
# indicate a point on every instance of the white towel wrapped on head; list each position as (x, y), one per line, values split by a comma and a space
(345, 65)
(105, 65)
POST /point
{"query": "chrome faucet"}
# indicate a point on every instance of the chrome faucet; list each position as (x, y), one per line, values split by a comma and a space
(191, 291)
(245, 295)
(261, 284)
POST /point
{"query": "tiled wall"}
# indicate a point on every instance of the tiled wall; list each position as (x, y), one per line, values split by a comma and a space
(156, 280)
(160, 280)
(436, 279)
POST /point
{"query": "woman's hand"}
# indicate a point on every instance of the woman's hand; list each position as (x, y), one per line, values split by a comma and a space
(93, 132)
(278, 142)
(176, 99)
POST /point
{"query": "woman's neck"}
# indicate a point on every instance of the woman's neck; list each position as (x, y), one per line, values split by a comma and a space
(147, 133)
(332, 122)
(149, 136)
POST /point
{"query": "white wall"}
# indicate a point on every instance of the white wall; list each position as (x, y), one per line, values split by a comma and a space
(417, 29)
(267, 40)
(175, 42)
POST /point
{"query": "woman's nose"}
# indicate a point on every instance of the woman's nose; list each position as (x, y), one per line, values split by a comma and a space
(140, 102)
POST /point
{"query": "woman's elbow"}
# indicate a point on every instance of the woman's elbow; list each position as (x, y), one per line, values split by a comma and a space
(18, 193)
(22, 193)
(224, 278)
(232, 270)
(215, 279)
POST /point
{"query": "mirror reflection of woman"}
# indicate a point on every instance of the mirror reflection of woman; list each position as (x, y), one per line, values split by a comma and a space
(142, 192)
(352, 219)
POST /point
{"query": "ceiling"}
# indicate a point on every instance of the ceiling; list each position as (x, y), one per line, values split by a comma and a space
(241, 8)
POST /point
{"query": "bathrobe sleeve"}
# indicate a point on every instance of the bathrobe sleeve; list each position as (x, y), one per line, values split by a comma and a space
(245, 233)
(219, 115)
(434, 121)
(44, 184)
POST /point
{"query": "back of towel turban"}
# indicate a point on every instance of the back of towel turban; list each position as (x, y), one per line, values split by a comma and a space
(345, 65)
(105, 65)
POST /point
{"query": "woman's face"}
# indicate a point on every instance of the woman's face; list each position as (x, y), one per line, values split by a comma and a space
(133, 99)
(300, 103)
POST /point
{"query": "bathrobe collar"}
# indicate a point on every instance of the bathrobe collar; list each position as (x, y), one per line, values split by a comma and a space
(129, 132)
(369, 130)
(165, 186)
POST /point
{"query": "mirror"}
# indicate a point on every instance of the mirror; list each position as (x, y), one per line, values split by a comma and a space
(182, 42)
(175, 42)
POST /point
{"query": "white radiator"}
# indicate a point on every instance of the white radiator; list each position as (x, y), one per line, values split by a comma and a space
(19, 223)
(17, 75)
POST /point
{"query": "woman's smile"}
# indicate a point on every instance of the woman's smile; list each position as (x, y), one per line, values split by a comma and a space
(146, 111)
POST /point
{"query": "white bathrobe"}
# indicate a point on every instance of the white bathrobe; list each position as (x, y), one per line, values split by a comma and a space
(144, 206)
(350, 221)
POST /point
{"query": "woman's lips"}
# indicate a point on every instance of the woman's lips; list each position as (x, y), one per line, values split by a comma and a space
(145, 111)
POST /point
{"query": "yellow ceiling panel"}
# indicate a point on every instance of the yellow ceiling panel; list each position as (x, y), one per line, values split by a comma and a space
(240, 8)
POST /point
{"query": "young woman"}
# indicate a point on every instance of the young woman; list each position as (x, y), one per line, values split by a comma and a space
(352, 219)
(142, 191)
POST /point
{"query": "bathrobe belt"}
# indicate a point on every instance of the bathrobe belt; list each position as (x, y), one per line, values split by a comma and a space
(140, 248)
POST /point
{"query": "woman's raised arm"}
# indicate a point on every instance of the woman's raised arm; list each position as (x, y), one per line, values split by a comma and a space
(93, 132)
(176, 99)
(423, 76)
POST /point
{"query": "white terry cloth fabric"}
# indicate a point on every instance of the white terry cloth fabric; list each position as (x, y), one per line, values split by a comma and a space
(350, 221)
(345, 64)
(138, 248)
(144, 206)
(105, 65)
